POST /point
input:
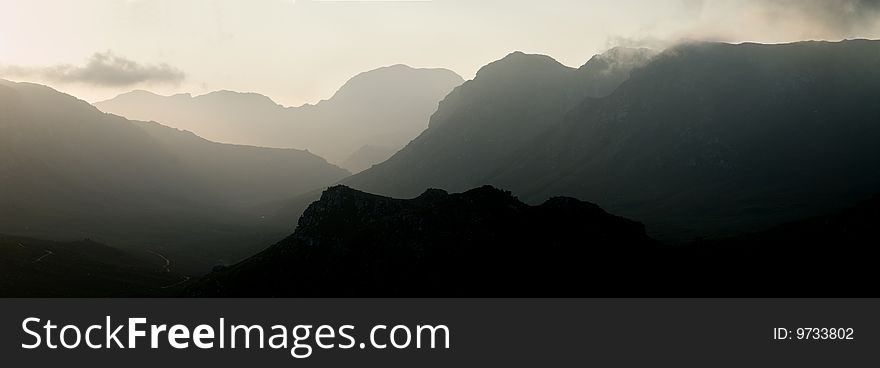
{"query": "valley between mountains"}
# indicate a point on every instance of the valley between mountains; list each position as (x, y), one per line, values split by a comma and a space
(705, 169)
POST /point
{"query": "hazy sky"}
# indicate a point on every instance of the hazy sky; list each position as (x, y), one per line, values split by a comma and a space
(302, 51)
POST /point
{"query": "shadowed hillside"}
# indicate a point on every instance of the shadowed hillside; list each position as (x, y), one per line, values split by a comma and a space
(39, 268)
(480, 242)
(69, 171)
(484, 242)
(486, 120)
(834, 255)
(707, 139)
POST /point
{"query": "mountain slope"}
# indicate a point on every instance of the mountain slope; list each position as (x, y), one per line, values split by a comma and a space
(480, 242)
(486, 120)
(707, 139)
(366, 156)
(246, 175)
(40, 268)
(716, 139)
(383, 107)
(68, 171)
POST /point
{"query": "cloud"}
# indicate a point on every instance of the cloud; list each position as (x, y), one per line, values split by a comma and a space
(650, 42)
(101, 69)
(761, 21)
(786, 19)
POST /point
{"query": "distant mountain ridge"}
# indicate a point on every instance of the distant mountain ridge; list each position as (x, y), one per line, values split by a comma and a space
(69, 171)
(384, 107)
(484, 121)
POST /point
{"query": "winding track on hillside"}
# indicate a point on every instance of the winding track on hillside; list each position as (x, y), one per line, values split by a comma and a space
(48, 253)
(167, 261)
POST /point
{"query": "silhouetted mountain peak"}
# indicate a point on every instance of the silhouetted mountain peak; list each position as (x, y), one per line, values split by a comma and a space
(338, 208)
(395, 67)
(223, 100)
(386, 80)
(45, 103)
(432, 194)
(522, 58)
(619, 58)
(518, 64)
(226, 96)
(139, 93)
(354, 243)
(490, 194)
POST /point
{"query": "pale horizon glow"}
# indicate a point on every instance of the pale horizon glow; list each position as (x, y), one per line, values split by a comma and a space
(299, 52)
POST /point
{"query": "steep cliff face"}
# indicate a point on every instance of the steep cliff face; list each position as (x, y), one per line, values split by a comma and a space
(480, 242)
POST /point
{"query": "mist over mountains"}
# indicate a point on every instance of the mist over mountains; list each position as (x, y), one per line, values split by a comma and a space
(386, 107)
(693, 146)
(706, 139)
(69, 171)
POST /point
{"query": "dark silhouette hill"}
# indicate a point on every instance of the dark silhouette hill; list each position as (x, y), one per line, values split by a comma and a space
(486, 243)
(480, 242)
(707, 139)
(69, 171)
(385, 107)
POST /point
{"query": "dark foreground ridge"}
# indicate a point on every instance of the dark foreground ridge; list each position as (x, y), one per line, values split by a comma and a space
(486, 243)
(480, 242)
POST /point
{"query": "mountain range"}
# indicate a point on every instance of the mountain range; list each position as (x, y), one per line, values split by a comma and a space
(702, 140)
(704, 149)
(484, 121)
(69, 171)
(385, 107)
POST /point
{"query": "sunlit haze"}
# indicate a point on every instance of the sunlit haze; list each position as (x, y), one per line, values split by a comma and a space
(302, 51)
